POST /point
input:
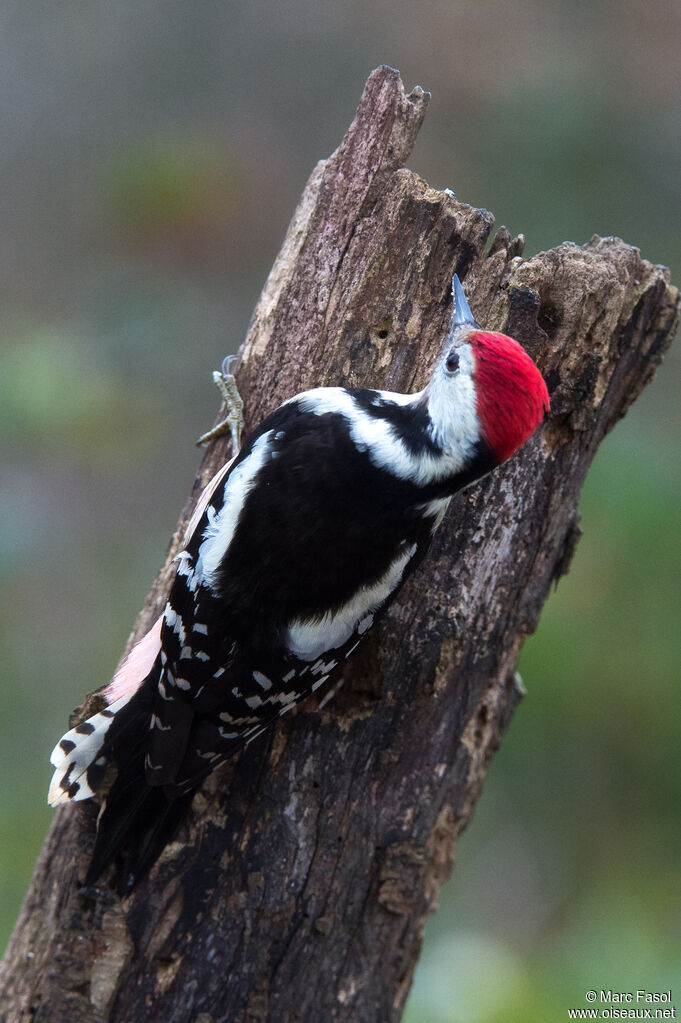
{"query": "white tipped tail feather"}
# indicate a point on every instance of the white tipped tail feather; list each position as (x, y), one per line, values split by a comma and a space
(77, 758)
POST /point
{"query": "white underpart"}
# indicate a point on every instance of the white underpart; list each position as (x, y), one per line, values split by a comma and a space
(218, 534)
(309, 638)
(136, 665)
(71, 766)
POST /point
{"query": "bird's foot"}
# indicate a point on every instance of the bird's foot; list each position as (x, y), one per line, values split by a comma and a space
(234, 408)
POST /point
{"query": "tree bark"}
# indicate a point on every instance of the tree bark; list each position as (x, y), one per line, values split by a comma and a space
(299, 886)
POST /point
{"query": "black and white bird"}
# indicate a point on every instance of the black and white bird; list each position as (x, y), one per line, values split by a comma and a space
(296, 546)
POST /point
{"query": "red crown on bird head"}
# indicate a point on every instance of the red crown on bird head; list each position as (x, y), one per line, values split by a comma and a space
(511, 394)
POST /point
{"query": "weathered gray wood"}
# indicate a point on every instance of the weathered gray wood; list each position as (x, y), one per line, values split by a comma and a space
(299, 887)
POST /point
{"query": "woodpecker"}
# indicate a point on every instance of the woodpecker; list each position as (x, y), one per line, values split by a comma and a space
(296, 546)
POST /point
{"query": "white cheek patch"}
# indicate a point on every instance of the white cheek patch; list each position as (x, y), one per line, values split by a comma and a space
(452, 407)
(309, 639)
(380, 440)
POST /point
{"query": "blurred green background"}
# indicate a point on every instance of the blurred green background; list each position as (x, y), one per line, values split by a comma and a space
(152, 154)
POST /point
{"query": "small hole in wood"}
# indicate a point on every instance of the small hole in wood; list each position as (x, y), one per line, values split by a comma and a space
(381, 330)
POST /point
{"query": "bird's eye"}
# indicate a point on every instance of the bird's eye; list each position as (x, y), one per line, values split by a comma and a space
(452, 362)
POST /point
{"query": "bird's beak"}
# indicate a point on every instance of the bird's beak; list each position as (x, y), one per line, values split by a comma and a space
(462, 313)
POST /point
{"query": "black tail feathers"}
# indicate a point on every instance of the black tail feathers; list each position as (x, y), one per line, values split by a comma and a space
(136, 824)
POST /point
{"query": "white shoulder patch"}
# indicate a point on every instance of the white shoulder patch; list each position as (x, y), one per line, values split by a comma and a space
(219, 532)
(202, 503)
(309, 639)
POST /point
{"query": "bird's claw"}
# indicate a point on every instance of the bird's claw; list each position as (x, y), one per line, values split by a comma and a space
(234, 407)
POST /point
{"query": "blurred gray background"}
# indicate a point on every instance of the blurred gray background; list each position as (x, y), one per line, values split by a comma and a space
(152, 154)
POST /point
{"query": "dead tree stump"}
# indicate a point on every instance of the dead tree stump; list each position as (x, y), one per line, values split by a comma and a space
(299, 886)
